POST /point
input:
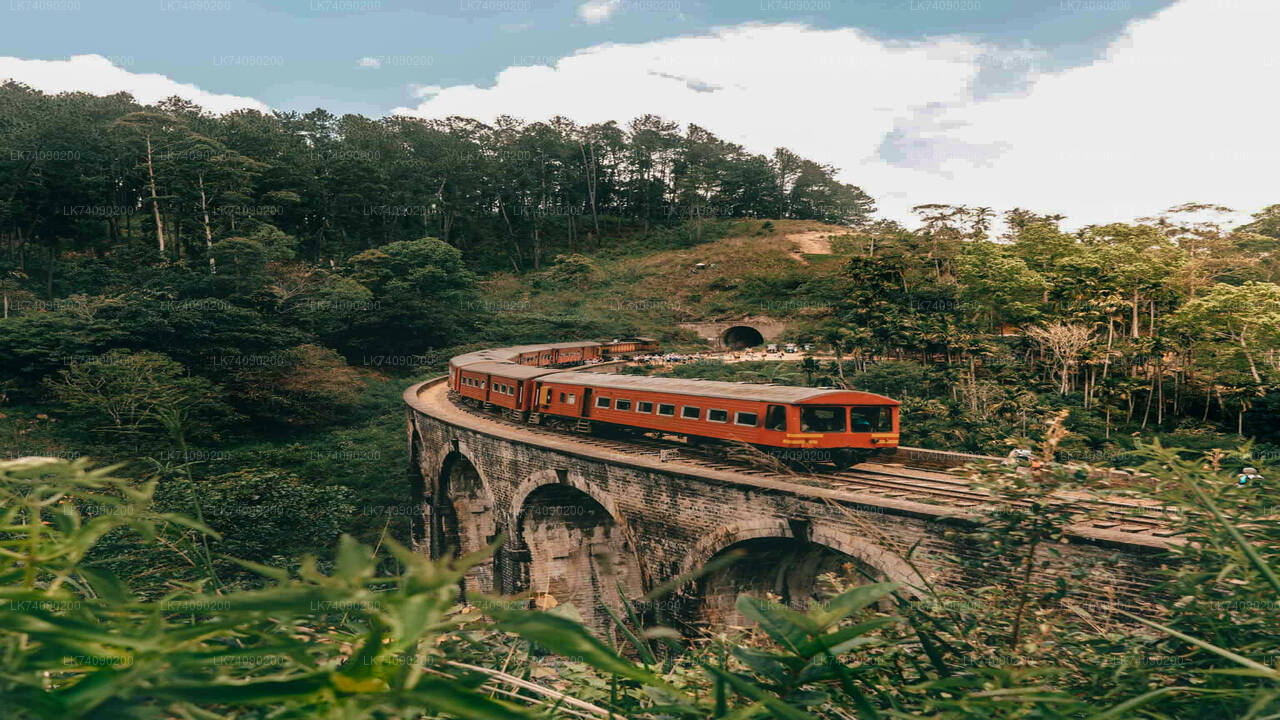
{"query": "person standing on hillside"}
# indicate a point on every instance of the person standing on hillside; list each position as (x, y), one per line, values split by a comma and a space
(1249, 477)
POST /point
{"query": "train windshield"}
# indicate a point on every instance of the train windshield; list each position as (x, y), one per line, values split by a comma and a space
(822, 419)
(870, 419)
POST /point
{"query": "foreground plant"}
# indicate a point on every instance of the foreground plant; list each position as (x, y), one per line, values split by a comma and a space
(76, 641)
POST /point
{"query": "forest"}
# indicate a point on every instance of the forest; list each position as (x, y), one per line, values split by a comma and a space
(84, 174)
(1168, 326)
(227, 308)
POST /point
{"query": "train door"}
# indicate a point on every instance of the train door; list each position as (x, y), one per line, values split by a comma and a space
(586, 402)
(774, 427)
(775, 418)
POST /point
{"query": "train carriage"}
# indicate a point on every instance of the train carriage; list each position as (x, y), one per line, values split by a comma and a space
(842, 425)
(507, 385)
(630, 346)
(576, 353)
(472, 384)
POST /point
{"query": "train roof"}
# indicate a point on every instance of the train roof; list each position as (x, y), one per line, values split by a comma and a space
(718, 389)
(508, 370)
(510, 354)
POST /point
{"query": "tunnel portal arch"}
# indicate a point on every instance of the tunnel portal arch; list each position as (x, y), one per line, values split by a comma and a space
(739, 337)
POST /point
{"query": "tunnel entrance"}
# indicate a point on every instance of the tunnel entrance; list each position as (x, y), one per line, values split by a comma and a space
(782, 567)
(741, 336)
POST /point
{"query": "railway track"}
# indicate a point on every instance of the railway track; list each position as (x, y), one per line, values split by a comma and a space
(888, 481)
(1111, 514)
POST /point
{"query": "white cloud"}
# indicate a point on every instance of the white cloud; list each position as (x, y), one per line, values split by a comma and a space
(598, 11)
(97, 75)
(1176, 110)
(369, 62)
(827, 94)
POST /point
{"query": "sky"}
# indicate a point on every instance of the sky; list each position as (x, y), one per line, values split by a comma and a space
(1101, 110)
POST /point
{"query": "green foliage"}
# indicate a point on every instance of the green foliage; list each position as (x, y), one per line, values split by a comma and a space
(134, 393)
(574, 270)
(257, 512)
(357, 642)
(241, 265)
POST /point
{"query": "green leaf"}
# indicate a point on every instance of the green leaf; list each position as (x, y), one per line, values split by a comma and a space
(570, 639)
(1267, 671)
(838, 641)
(849, 602)
(788, 627)
(752, 692)
(446, 697)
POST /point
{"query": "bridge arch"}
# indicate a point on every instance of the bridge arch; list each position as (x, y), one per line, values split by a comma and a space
(784, 558)
(738, 337)
(571, 546)
(462, 517)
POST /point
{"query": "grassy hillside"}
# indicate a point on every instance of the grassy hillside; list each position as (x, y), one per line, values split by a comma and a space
(750, 267)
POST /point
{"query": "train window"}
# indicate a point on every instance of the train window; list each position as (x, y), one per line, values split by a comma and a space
(623, 404)
(717, 416)
(688, 412)
(870, 419)
(666, 410)
(562, 396)
(746, 418)
(572, 397)
(644, 407)
(602, 402)
(775, 418)
(822, 419)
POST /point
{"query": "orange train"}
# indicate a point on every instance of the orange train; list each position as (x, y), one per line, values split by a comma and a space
(528, 382)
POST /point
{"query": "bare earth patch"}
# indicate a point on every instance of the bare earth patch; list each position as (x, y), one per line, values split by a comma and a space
(814, 242)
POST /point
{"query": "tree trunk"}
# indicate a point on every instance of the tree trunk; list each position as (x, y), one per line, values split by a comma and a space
(208, 231)
(1151, 391)
(1134, 330)
(1253, 367)
(155, 200)
(592, 179)
(1106, 360)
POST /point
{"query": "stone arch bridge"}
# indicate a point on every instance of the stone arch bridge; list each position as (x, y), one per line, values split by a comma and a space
(585, 521)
